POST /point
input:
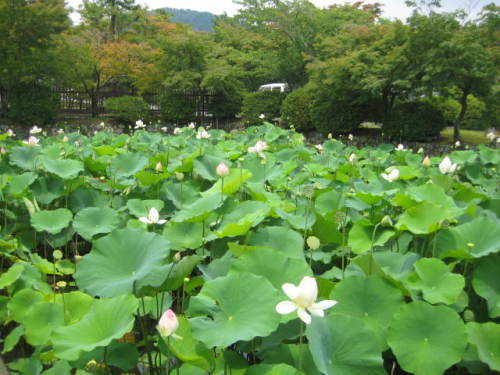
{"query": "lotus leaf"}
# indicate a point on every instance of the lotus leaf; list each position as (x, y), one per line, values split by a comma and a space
(52, 221)
(486, 283)
(64, 168)
(95, 220)
(486, 338)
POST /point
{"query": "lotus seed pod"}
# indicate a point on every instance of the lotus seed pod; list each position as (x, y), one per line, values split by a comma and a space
(57, 254)
(313, 242)
(469, 315)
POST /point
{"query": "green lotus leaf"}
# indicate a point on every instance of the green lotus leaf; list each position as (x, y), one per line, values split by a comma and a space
(95, 220)
(19, 183)
(299, 219)
(179, 193)
(343, 345)
(486, 338)
(289, 354)
(46, 189)
(64, 168)
(108, 319)
(329, 202)
(243, 307)
(280, 238)
(126, 165)
(184, 235)
(40, 320)
(140, 208)
(147, 178)
(11, 275)
(486, 283)
(372, 299)
(279, 271)
(206, 166)
(263, 369)
(232, 182)
(177, 272)
(419, 331)
(199, 209)
(474, 239)
(52, 221)
(241, 218)
(425, 217)
(189, 350)
(74, 304)
(17, 304)
(59, 368)
(123, 262)
(86, 196)
(438, 285)
(362, 238)
(24, 157)
(12, 339)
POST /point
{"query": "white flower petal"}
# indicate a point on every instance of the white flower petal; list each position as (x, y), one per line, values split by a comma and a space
(304, 316)
(153, 215)
(316, 311)
(285, 307)
(308, 291)
(145, 220)
(290, 290)
(323, 305)
(162, 221)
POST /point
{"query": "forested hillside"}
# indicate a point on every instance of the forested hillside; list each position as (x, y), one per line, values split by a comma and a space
(201, 21)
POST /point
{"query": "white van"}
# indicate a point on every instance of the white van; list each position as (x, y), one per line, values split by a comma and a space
(281, 87)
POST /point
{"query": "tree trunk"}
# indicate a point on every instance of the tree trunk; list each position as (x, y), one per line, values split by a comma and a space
(3, 104)
(94, 100)
(460, 117)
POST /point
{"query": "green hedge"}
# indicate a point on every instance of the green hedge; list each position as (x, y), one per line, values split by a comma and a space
(127, 109)
(297, 109)
(30, 104)
(267, 103)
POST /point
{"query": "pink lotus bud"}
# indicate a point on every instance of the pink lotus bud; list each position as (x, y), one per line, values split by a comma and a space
(222, 170)
(168, 323)
(158, 167)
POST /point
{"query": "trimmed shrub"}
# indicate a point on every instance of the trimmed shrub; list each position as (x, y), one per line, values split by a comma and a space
(296, 110)
(31, 104)
(176, 107)
(414, 121)
(267, 103)
(127, 109)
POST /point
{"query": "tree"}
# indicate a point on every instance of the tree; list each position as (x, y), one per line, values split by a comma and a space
(29, 32)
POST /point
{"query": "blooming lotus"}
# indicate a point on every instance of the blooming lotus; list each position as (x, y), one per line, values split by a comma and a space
(262, 116)
(177, 130)
(35, 130)
(446, 166)
(351, 137)
(139, 124)
(60, 131)
(353, 158)
(457, 144)
(191, 125)
(259, 147)
(303, 297)
(400, 147)
(10, 133)
(392, 176)
(222, 170)
(420, 150)
(202, 134)
(319, 148)
(153, 217)
(168, 323)
(164, 129)
(491, 136)
(32, 141)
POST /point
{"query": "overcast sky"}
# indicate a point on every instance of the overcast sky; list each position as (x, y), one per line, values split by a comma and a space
(392, 8)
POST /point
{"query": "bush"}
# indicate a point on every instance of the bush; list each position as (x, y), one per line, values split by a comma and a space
(226, 104)
(267, 103)
(127, 109)
(414, 121)
(296, 110)
(475, 117)
(176, 107)
(31, 104)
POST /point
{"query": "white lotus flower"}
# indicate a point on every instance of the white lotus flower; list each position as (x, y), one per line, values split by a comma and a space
(191, 125)
(222, 170)
(353, 158)
(491, 136)
(351, 137)
(153, 217)
(10, 133)
(164, 129)
(35, 130)
(457, 144)
(168, 323)
(60, 131)
(426, 162)
(420, 150)
(65, 138)
(32, 141)
(139, 124)
(400, 147)
(158, 167)
(202, 134)
(319, 148)
(177, 130)
(392, 176)
(262, 116)
(259, 147)
(303, 297)
(330, 136)
(102, 125)
(446, 166)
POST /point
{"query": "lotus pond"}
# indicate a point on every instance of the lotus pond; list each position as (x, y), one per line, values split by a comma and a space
(293, 259)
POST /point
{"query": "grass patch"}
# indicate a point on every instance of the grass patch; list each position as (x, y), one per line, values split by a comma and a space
(472, 137)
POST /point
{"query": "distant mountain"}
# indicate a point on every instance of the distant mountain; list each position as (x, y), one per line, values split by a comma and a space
(201, 21)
